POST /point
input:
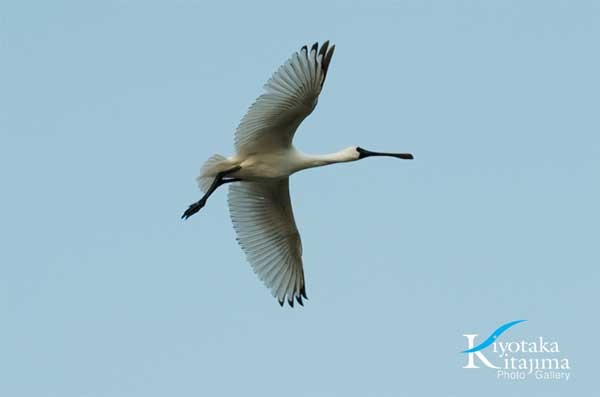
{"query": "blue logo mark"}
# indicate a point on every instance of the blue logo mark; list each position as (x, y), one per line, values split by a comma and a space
(492, 338)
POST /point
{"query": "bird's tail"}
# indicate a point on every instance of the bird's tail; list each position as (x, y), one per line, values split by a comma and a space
(215, 164)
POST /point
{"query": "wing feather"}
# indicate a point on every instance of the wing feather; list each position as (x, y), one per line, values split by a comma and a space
(291, 94)
(261, 212)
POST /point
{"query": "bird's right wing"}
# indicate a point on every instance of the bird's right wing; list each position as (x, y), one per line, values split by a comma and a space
(291, 95)
(261, 212)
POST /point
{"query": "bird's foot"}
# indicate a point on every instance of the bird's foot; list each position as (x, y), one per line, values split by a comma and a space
(197, 206)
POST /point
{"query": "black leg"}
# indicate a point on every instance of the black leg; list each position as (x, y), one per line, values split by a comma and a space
(219, 180)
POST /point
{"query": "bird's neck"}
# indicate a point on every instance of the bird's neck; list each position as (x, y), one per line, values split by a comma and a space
(319, 160)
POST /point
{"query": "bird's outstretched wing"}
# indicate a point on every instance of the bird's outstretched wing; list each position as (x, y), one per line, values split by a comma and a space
(261, 212)
(291, 95)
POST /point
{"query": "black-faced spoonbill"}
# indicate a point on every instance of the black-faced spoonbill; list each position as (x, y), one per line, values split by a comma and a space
(259, 201)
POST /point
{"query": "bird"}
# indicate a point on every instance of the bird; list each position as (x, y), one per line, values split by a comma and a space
(258, 173)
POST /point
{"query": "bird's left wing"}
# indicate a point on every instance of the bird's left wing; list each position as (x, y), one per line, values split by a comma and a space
(291, 95)
(261, 212)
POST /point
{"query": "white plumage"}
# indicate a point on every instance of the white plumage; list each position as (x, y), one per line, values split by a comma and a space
(259, 200)
(261, 212)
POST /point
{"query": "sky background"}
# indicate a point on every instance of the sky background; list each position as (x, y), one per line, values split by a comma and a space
(108, 110)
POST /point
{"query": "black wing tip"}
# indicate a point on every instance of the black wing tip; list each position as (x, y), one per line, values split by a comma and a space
(290, 300)
(324, 47)
(330, 52)
(327, 54)
(325, 51)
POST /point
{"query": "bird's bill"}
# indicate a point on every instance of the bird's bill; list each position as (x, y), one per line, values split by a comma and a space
(362, 153)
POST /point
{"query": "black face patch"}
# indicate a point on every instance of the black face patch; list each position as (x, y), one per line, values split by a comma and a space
(362, 153)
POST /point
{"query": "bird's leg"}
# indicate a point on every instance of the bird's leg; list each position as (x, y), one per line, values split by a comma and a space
(218, 181)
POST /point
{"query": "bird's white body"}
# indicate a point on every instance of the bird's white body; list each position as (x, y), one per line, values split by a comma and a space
(259, 200)
(283, 162)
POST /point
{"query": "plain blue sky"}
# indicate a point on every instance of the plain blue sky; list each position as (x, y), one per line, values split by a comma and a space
(108, 110)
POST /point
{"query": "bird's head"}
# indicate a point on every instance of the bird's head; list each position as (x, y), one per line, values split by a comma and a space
(361, 153)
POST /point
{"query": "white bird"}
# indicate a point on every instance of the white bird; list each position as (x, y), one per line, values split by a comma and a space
(259, 200)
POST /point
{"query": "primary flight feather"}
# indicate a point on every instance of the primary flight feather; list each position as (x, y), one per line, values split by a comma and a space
(258, 173)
